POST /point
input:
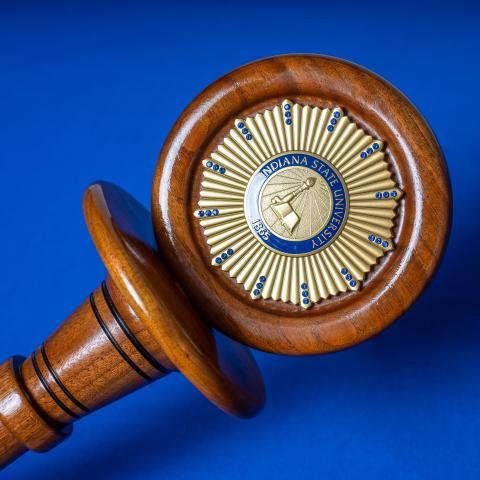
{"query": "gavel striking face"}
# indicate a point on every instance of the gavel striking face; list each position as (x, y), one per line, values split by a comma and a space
(300, 205)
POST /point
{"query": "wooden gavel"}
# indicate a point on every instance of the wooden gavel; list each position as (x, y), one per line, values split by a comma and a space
(326, 268)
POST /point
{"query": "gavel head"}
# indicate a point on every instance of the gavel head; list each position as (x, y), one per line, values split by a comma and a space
(286, 268)
(300, 205)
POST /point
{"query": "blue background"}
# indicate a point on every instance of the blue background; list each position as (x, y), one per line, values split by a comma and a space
(89, 91)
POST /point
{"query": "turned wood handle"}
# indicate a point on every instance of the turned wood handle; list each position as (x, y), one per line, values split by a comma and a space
(10, 447)
(22, 425)
(136, 327)
(141, 324)
(100, 353)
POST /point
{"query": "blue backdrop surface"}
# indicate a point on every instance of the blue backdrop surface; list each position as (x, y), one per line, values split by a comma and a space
(90, 90)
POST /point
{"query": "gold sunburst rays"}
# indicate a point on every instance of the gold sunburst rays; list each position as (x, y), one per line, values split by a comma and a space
(298, 203)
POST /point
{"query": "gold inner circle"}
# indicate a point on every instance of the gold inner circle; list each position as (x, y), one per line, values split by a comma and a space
(296, 203)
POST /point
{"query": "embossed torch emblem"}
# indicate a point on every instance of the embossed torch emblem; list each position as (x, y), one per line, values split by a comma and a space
(297, 204)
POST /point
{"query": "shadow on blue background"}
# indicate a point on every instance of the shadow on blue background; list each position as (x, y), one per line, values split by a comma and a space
(90, 91)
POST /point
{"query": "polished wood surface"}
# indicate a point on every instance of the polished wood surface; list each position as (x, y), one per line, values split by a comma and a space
(136, 327)
(150, 316)
(417, 165)
(22, 426)
(163, 307)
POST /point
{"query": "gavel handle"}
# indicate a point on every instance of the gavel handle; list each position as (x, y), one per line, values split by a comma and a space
(100, 353)
(28, 427)
(10, 447)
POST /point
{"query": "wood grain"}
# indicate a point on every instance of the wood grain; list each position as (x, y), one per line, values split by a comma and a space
(416, 162)
(150, 316)
(135, 328)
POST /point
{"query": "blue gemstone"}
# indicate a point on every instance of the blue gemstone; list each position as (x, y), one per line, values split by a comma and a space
(209, 164)
(385, 244)
(240, 125)
(215, 211)
(304, 286)
(248, 137)
(330, 128)
(394, 194)
(348, 277)
(353, 283)
(218, 260)
(369, 151)
(371, 238)
(288, 114)
(287, 106)
(230, 251)
(333, 121)
(262, 278)
(208, 213)
(306, 301)
(305, 293)
(376, 146)
(288, 121)
(344, 271)
(386, 194)
(245, 131)
(363, 155)
(224, 256)
(222, 170)
(378, 195)
(378, 240)
(201, 213)
(259, 285)
(216, 167)
(336, 114)
(256, 292)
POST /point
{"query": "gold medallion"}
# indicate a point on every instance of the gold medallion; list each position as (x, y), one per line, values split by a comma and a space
(297, 204)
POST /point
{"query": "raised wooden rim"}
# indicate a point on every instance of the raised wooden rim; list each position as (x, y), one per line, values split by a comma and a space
(418, 166)
(223, 370)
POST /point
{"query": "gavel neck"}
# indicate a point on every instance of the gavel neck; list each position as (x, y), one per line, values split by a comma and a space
(100, 353)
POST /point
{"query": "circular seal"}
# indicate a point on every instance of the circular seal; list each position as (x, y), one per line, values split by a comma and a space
(297, 203)
(306, 193)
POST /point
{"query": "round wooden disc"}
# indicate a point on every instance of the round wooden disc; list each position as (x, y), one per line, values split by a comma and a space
(422, 220)
(222, 369)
